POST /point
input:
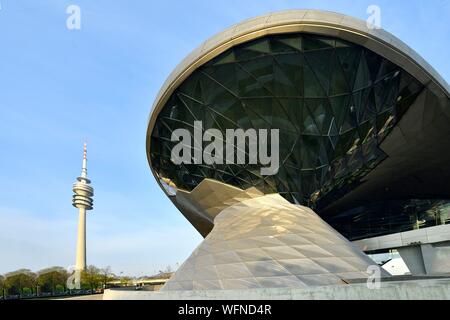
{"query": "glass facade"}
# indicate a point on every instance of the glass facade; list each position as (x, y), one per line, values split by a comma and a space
(333, 101)
(387, 217)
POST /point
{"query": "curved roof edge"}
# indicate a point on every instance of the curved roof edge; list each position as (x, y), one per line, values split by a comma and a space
(309, 21)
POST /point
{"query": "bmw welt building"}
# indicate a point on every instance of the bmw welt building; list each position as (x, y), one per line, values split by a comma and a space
(355, 127)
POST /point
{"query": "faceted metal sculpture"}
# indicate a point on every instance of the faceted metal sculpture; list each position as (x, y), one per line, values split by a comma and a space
(263, 241)
(362, 119)
(346, 114)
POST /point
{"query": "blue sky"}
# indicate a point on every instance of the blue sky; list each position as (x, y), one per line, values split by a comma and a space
(60, 86)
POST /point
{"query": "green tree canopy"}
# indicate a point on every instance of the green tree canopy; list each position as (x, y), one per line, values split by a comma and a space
(51, 278)
(91, 278)
(15, 282)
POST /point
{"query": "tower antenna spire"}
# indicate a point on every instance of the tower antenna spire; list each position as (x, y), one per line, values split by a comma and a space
(84, 168)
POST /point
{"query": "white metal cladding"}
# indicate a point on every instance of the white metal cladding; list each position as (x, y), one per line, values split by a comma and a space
(267, 242)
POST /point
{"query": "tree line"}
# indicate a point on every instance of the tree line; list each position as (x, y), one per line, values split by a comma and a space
(53, 281)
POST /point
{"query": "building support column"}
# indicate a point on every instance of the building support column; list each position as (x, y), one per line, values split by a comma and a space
(427, 259)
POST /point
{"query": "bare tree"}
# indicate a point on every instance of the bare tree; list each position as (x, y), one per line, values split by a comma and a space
(106, 276)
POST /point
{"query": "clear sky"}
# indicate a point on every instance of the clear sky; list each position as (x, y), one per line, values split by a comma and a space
(60, 86)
